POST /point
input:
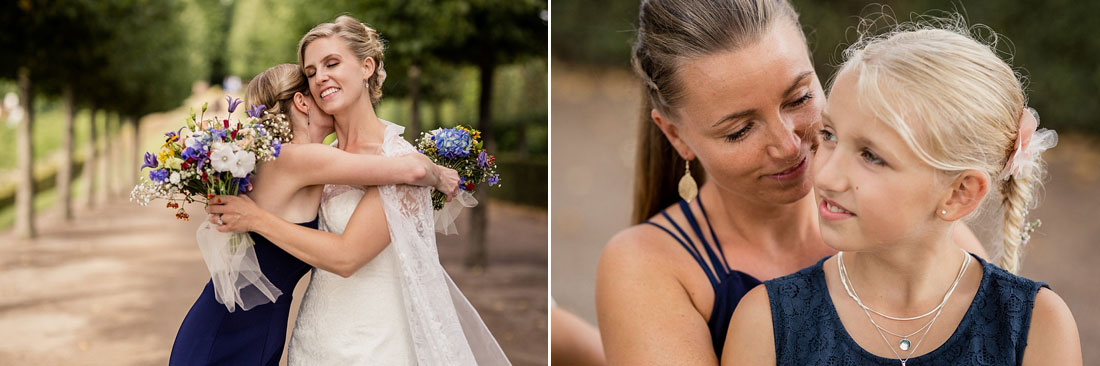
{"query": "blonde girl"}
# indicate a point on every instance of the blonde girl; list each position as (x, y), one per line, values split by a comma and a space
(922, 124)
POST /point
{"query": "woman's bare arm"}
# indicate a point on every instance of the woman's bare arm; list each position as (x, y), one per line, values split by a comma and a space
(313, 164)
(645, 314)
(366, 234)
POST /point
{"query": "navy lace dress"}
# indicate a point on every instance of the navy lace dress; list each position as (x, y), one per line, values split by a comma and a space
(992, 332)
(211, 335)
(729, 285)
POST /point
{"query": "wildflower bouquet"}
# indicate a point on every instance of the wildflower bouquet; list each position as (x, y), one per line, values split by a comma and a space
(210, 157)
(461, 149)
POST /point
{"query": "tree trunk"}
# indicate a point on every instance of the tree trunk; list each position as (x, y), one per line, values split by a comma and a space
(65, 171)
(477, 255)
(437, 113)
(135, 153)
(111, 138)
(90, 162)
(24, 194)
(414, 102)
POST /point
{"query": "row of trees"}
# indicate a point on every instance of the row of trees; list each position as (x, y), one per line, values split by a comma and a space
(134, 57)
(94, 55)
(1047, 42)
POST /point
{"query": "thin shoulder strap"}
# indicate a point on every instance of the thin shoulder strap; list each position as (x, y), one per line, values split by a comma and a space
(714, 237)
(718, 266)
(685, 241)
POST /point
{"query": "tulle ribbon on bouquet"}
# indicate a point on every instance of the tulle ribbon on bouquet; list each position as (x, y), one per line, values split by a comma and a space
(446, 216)
(234, 269)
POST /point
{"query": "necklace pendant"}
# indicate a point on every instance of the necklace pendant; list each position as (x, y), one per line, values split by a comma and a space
(904, 345)
(902, 363)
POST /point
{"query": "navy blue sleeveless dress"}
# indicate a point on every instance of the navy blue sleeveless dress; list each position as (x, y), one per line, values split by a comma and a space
(211, 335)
(993, 331)
(729, 285)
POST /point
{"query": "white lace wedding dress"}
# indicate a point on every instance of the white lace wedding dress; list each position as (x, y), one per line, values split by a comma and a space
(401, 308)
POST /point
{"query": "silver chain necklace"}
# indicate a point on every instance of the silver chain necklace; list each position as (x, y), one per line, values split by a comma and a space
(904, 344)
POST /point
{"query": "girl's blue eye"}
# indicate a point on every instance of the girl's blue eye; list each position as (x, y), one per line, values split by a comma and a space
(870, 157)
(826, 136)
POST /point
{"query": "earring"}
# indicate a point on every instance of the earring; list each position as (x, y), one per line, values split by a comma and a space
(943, 212)
(688, 188)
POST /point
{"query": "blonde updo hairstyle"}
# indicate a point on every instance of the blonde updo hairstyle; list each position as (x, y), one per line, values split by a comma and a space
(954, 102)
(363, 41)
(275, 88)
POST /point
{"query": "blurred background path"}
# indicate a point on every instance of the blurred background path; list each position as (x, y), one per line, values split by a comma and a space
(113, 286)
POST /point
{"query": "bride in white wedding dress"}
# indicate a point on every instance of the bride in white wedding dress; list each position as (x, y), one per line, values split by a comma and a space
(378, 294)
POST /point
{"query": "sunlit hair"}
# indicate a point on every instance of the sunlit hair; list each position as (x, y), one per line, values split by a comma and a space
(363, 41)
(670, 33)
(275, 88)
(941, 85)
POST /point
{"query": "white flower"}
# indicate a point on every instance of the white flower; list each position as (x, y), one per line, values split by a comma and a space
(222, 158)
(174, 178)
(245, 162)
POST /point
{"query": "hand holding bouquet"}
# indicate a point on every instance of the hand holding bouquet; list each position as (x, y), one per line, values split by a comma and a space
(210, 157)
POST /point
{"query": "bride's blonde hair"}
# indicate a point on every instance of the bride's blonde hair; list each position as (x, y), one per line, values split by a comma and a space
(954, 102)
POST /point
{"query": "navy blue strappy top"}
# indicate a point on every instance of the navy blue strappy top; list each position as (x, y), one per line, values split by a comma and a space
(808, 330)
(729, 285)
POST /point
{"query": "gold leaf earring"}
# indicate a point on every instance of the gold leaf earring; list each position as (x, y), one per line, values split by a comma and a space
(688, 188)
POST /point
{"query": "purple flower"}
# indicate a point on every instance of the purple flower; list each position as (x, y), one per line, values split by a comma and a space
(233, 102)
(483, 159)
(243, 185)
(494, 179)
(256, 111)
(150, 161)
(159, 175)
(278, 145)
(191, 152)
(218, 134)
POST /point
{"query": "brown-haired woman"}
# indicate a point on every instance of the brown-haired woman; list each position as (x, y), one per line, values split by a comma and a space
(730, 91)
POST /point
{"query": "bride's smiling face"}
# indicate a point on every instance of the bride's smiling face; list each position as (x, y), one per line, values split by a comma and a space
(337, 79)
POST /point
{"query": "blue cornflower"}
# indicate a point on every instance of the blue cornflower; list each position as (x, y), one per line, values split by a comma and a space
(494, 179)
(453, 143)
(150, 161)
(278, 145)
(191, 153)
(233, 102)
(256, 111)
(243, 184)
(218, 134)
(159, 175)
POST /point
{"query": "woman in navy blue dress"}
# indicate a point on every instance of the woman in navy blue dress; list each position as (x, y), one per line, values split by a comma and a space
(730, 91)
(922, 123)
(289, 187)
